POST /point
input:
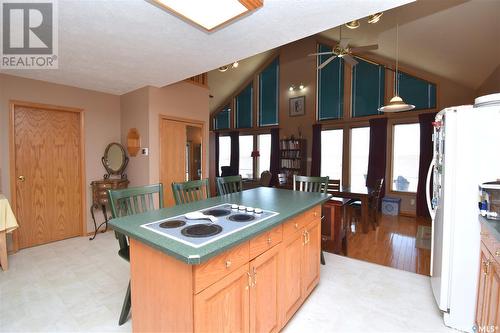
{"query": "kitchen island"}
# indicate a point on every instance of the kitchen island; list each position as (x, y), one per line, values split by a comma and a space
(252, 279)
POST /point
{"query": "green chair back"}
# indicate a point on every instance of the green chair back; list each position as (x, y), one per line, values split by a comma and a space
(131, 201)
(191, 191)
(229, 184)
(310, 184)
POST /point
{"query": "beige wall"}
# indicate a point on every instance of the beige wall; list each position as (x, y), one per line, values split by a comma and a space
(142, 109)
(491, 85)
(182, 100)
(135, 114)
(102, 123)
(296, 68)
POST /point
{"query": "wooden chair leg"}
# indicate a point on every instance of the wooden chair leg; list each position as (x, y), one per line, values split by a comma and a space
(125, 307)
(4, 262)
(322, 258)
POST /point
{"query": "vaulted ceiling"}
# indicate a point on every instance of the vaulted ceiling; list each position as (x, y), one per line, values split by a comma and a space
(119, 46)
(456, 39)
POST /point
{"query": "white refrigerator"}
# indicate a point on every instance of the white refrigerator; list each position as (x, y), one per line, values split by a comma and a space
(466, 153)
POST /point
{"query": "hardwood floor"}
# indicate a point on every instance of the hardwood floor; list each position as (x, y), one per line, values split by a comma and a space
(392, 244)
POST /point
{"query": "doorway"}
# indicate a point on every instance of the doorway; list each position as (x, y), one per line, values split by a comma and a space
(47, 170)
(181, 153)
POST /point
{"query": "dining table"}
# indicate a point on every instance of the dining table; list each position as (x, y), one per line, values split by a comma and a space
(361, 193)
(8, 223)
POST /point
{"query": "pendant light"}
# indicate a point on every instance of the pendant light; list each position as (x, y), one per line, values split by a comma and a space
(396, 104)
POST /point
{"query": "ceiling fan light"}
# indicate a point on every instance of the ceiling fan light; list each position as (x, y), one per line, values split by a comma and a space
(375, 17)
(396, 104)
(353, 24)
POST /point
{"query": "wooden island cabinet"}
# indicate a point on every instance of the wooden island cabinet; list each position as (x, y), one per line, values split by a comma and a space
(255, 286)
(488, 296)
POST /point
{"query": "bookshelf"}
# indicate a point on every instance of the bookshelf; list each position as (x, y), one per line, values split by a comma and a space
(293, 158)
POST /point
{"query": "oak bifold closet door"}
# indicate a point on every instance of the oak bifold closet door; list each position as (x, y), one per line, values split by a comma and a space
(47, 174)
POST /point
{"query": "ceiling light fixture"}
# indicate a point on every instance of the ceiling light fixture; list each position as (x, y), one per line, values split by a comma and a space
(236, 64)
(209, 14)
(223, 68)
(396, 104)
(375, 17)
(353, 24)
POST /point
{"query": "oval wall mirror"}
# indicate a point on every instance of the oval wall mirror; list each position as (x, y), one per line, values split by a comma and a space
(115, 160)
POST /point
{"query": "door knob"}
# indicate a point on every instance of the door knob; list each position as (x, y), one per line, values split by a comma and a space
(21, 178)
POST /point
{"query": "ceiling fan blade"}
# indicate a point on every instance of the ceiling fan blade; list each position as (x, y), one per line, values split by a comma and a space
(344, 42)
(321, 53)
(350, 60)
(327, 61)
(364, 48)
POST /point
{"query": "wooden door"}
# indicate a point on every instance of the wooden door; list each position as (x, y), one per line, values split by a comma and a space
(224, 306)
(264, 293)
(47, 174)
(481, 293)
(311, 257)
(172, 156)
(493, 309)
(292, 274)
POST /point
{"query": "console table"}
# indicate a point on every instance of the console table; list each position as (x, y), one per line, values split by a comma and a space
(100, 199)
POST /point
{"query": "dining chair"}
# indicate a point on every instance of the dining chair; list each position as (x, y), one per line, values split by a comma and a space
(191, 191)
(311, 184)
(229, 184)
(265, 178)
(354, 208)
(130, 201)
(374, 203)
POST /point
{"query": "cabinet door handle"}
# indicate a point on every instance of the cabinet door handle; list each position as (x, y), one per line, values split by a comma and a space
(308, 236)
(228, 263)
(269, 240)
(315, 214)
(305, 238)
(249, 280)
(296, 225)
(486, 264)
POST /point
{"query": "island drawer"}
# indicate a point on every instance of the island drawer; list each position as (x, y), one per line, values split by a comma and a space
(216, 268)
(298, 222)
(265, 241)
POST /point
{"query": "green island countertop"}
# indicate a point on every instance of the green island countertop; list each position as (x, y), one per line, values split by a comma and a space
(286, 202)
(493, 226)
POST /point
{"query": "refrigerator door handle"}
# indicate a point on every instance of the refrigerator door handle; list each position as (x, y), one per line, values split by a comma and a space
(432, 212)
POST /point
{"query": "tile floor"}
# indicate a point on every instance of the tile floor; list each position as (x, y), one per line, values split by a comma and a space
(78, 285)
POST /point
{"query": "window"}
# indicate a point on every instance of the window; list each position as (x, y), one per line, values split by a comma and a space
(244, 107)
(222, 118)
(268, 94)
(368, 84)
(264, 142)
(330, 86)
(416, 91)
(224, 152)
(405, 157)
(360, 144)
(246, 160)
(331, 153)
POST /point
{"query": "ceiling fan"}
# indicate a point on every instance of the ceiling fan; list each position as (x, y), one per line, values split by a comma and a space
(342, 50)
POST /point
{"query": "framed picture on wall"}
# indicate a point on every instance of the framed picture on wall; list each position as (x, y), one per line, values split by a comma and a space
(297, 106)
